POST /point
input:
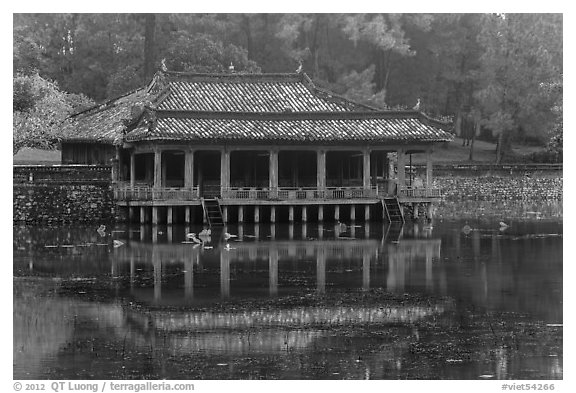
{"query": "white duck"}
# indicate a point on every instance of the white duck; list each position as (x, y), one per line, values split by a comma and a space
(228, 236)
(192, 236)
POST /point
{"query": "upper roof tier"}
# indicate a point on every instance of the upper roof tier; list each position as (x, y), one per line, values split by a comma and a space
(261, 93)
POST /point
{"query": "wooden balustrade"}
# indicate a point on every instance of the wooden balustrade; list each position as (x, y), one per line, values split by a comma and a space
(299, 193)
(148, 193)
(420, 192)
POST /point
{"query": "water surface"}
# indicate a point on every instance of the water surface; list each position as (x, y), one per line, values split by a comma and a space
(466, 299)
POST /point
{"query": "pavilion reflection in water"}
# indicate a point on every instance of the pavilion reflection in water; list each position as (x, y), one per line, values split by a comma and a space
(371, 257)
(330, 250)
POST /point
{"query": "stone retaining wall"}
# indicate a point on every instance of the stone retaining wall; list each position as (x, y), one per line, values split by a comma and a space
(62, 194)
(534, 187)
(63, 203)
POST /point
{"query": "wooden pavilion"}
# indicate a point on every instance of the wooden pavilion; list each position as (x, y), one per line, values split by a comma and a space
(254, 147)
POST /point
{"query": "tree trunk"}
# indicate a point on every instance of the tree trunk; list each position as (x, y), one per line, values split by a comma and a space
(149, 45)
(476, 131)
(500, 148)
(248, 32)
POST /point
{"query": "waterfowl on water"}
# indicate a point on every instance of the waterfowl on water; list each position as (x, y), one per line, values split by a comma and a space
(101, 230)
(118, 243)
(192, 236)
(228, 236)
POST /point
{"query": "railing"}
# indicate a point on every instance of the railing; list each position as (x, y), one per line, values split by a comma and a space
(147, 193)
(299, 193)
(420, 192)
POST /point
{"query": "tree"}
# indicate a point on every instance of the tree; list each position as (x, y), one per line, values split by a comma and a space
(200, 53)
(39, 107)
(521, 53)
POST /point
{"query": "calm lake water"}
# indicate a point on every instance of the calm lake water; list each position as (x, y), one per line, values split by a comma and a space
(465, 299)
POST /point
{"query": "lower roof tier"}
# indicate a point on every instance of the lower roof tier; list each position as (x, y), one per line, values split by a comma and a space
(323, 130)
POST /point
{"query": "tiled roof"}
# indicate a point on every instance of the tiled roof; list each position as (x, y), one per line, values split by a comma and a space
(275, 108)
(105, 122)
(409, 127)
(249, 93)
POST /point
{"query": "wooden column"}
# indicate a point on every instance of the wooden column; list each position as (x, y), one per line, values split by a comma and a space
(225, 169)
(391, 175)
(304, 214)
(225, 214)
(401, 169)
(272, 214)
(320, 213)
(116, 165)
(366, 169)
(273, 173)
(157, 168)
(291, 213)
(187, 214)
(337, 212)
(321, 169)
(352, 212)
(429, 168)
(132, 169)
(366, 212)
(189, 168)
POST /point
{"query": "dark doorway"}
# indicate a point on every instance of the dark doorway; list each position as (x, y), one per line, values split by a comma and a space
(344, 169)
(144, 168)
(297, 169)
(249, 168)
(173, 169)
(207, 173)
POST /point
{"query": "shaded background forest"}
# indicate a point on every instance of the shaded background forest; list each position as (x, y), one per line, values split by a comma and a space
(497, 76)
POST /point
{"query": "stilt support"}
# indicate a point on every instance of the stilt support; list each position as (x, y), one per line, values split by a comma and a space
(169, 215)
(240, 214)
(155, 215)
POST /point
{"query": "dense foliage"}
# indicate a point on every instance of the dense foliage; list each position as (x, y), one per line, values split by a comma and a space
(501, 72)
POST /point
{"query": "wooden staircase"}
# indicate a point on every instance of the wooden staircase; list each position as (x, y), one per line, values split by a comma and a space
(393, 210)
(212, 211)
